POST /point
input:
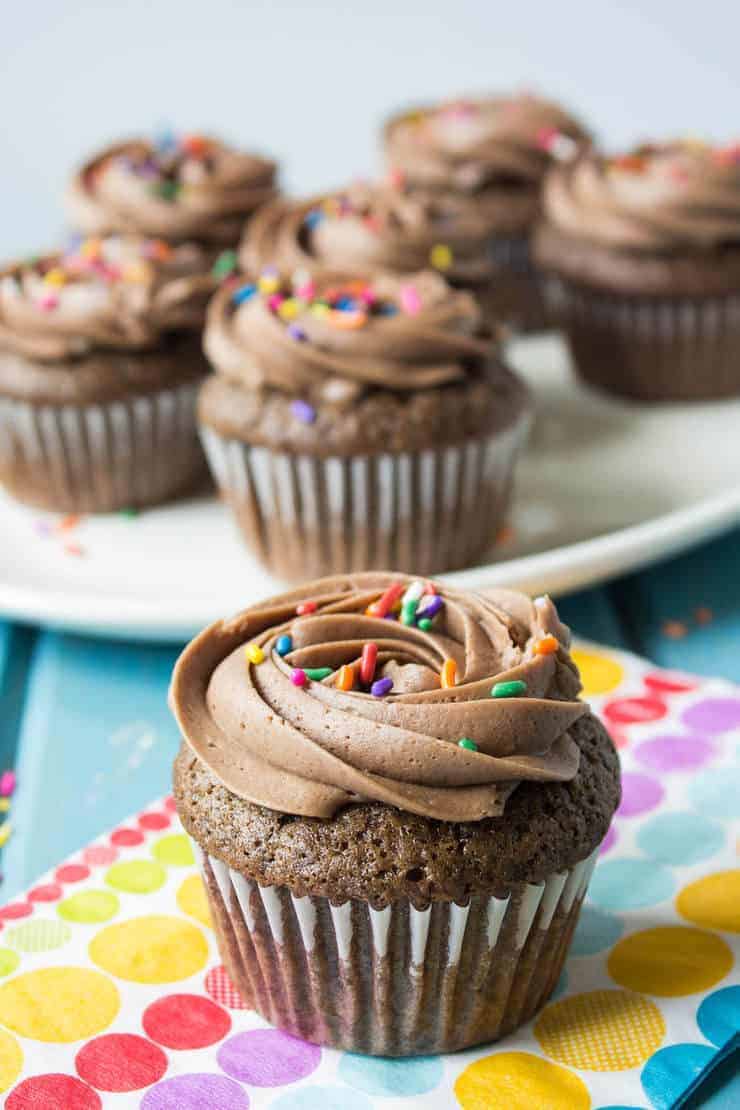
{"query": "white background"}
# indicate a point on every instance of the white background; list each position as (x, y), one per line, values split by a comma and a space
(310, 83)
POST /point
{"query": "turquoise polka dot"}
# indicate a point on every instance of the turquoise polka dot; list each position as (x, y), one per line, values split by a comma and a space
(716, 792)
(718, 1017)
(320, 1098)
(596, 931)
(670, 1071)
(629, 884)
(680, 838)
(376, 1075)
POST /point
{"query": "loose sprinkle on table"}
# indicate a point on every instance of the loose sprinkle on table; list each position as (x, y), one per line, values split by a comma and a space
(254, 653)
(284, 645)
(468, 744)
(368, 662)
(382, 687)
(703, 615)
(510, 689)
(448, 674)
(674, 630)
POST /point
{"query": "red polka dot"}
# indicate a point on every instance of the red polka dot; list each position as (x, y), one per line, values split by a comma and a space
(126, 838)
(15, 910)
(72, 873)
(169, 803)
(53, 1092)
(632, 711)
(154, 821)
(185, 1021)
(221, 989)
(121, 1062)
(100, 855)
(47, 892)
(663, 682)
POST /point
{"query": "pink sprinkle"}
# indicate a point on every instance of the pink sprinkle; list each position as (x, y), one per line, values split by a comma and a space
(49, 302)
(397, 178)
(546, 137)
(307, 291)
(298, 677)
(274, 301)
(7, 783)
(368, 295)
(410, 300)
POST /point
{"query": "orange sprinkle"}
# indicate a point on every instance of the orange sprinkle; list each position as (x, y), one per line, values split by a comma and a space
(674, 630)
(345, 678)
(448, 674)
(67, 523)
(346, 321)
(546, 646)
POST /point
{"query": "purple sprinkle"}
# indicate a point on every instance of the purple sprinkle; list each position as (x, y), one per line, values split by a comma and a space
(303, 411)
(296, 332)
(382, 687)
(431, 606)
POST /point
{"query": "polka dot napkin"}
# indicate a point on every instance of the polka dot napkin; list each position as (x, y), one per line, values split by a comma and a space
(112, 993)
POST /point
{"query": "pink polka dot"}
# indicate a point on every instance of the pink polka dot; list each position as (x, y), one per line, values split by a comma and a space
(633, 711)
(713, 715)
(72, 873)
(675, 753)
(609, 841)
(15, 910)
(47, 892)
(52, 1092)
(196, 1092)
(222, 990)
(268, 1057)
(185, 1021)
(100, 855)
(640, 794)
(120, 1062)
(154, 821)
(126, 838)
(665, 682)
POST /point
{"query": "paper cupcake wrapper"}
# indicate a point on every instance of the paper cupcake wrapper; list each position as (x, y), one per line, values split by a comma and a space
(515, 297)
(417, 511)
(395, 981)
(101, 457)
(651, 348)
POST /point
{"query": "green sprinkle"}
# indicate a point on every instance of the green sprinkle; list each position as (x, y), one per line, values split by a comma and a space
(167, 190)
(316, 674)
(130, 513)
(425, 624)
(408, 612)
(509, 689)
(225, 264)
(469, 745)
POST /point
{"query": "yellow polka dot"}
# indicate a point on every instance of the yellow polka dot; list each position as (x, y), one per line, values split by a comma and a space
(601, 1030)
(153, 949)
(136, 876)
(191, 898)
(89, 907)
(713, 901)
(174, 851)
(520, 1081)
(670, 961)
(11, 1060)
(58, 1004)
(599, 673)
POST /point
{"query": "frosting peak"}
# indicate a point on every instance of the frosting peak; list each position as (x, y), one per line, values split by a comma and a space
(325, 697)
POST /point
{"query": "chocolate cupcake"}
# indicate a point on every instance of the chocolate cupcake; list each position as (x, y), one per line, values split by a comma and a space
(396, 819)
(356, 424)
(100, 360)
(186, 188)
(643, 257)
(491, 155)
(371, 228)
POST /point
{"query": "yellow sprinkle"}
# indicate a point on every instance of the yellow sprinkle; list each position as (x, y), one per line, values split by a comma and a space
(320, 310)
(55, 276)
(268, 284)
(5, 832)
(254, 653)
(440, 257)
(289, 309)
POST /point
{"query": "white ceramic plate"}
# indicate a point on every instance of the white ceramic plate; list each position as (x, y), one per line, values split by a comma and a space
(604, 487)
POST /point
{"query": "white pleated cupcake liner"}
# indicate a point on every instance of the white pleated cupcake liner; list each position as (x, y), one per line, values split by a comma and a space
(396, 981)
(101, 457)
(417, 511)
(651, 348)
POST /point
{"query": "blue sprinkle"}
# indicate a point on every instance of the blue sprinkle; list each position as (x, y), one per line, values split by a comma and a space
(346, 304)
(296, 332)
(303, 411)
(245, 293)
(313, 218)
(387, 309)
(284, 645)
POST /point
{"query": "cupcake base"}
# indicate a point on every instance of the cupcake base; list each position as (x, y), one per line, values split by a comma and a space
(418, 511)
(396, 981)
(96, 458)
(651, 348)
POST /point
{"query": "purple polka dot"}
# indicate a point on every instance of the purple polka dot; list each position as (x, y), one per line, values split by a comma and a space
(267, 1057)
(675, 753)
(640, 793)
(609, 841)
(713, 715)
(194, 1092)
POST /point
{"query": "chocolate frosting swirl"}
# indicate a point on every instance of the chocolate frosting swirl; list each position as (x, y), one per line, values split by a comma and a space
(182, 188)
(366, 228)
(665, 197)
(469, 145)
(311, 749)
(115, 293)
(401, 334)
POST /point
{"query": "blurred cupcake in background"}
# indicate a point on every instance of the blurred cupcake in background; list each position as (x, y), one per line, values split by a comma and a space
(181, 188)
(492, 156)
(358, 423)
(100, 359)
(643, 256)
